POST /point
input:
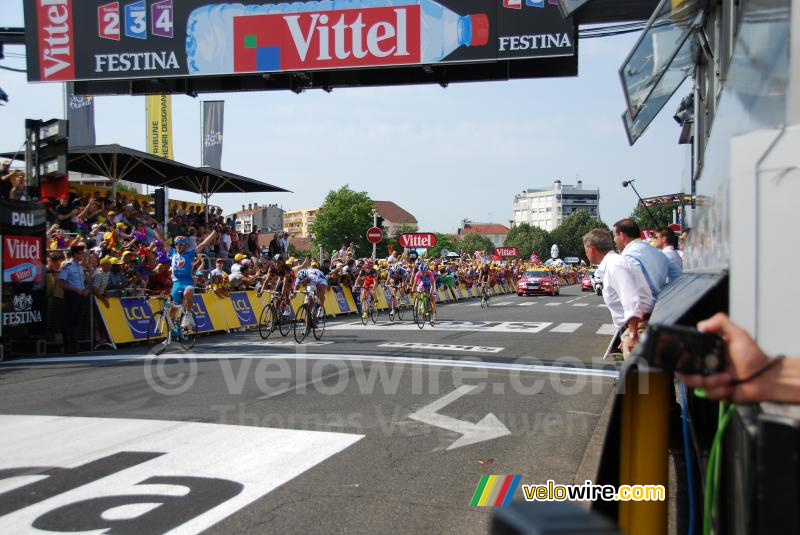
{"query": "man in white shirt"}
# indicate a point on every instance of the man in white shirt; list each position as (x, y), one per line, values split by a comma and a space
(667, 241)
(625, 290)
(225, 242)
(655, 267)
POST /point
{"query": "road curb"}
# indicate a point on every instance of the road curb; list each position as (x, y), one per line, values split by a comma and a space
(590, 463)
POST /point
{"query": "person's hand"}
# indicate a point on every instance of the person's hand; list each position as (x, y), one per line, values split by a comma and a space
(743, 359)
(84, 292)
(105, 301)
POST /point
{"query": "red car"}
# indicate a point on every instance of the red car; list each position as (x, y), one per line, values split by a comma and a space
(537, 281)
(587, 282)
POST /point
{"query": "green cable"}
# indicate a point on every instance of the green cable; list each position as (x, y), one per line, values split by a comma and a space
(714, 467)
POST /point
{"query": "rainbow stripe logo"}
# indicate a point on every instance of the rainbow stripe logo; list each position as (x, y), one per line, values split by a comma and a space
(495, 491)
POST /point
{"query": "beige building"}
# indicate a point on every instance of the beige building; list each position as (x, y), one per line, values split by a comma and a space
(494, 231)
(394, 217)
(298, 222)
(265, 218)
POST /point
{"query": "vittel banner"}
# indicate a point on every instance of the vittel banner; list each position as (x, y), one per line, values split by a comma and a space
(97, 39)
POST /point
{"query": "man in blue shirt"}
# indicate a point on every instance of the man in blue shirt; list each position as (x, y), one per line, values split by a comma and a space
(656, 268)
(72, 280)
(182, 274)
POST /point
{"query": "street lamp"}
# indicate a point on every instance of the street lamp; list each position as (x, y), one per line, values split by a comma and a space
(625, 184)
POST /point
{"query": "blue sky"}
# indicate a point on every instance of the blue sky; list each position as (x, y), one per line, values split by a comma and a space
(442, 154)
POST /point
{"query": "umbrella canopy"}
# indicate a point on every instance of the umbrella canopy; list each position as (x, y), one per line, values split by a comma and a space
(124, 163)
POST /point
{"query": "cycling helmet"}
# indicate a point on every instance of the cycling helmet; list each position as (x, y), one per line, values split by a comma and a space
(423, 267)
(302, 274)
(181, 240)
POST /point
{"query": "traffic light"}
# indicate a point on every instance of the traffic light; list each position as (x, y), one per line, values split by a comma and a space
(379, 222)
(160, 201)
(46, 157)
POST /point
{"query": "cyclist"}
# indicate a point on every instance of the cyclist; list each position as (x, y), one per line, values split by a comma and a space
(397, 281)
(316, 277)
(425, 282)
(485, 277)
(182, 281)
(367, 277)
(282, 274)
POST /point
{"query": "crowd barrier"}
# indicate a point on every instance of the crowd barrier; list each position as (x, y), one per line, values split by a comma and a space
(127, 319)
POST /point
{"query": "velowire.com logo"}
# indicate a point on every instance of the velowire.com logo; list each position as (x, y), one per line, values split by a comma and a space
(495, 491)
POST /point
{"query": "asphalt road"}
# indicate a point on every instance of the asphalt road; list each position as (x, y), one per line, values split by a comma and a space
(378, 428)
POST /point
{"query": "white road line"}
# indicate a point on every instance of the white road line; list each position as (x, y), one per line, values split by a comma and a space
(442, 347)
(520, 327)
(607, 329)
(572, 300)
(581, 305)
(501, 304)
(565, 328)
(602, 305)
(554, 304)
(267, 343)
(528, 304)
(242, 463)
(445, 363)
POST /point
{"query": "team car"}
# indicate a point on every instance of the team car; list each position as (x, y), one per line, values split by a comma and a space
(537, 281)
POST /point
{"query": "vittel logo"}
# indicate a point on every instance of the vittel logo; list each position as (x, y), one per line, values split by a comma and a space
(422, 241)
(23, 249)
(56, 45)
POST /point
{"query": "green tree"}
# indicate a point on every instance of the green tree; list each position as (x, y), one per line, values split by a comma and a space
(476, 242)
(662, 215)
(444, 241)
(529, 239)
(569, 234)
(344, 217)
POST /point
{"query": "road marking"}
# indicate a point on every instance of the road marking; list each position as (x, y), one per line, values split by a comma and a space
(583, 413)
(196, 473)
(573, 300)
(487, 429)
(565, 328)
(553, 304)
(501, 304)
(442, 347)
(276, 343)
(446, 363)
(581, 305)
(602, 305)
(528, 304)
(521, 327)
(607, 328)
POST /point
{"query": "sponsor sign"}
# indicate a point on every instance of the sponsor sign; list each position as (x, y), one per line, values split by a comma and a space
(243, 309)
(23, 311)
(212, 132)
(97, 40)
(418, 240)
(506, 251)
(202, 319)
(374, 235)
(137, 315)
(22, 259)
(341, 298)
(159, 125)
(80, 114)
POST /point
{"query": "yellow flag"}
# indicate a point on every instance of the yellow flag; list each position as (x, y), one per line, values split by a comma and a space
(159, 125)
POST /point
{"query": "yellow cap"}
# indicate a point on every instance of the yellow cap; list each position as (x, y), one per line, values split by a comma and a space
(105, 260)
(292, 261)
(239, 257)
(115, 261)
(107, 236)
(314, 264)
(121, 225)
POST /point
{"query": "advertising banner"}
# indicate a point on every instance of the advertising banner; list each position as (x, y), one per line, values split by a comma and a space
(417, 240)
(212, 132)
(243, 309)
(505, 252)
(80, 114)
(101, 40)
(24, 297)
(136, 312)
(159, 125)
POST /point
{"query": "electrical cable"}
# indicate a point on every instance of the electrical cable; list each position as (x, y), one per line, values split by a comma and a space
(12, 69)
(688, 457)
(713, 469)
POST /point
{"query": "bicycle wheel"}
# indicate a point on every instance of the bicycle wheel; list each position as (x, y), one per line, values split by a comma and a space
(365, 306)
(398, 310)
(156, 330)
(188, 332)
(302, 323)
(419, 312)
(266, 322)
(373, 312)
(319, 327)
(285, 320)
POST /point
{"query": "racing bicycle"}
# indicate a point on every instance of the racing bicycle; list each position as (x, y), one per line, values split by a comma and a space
(423, 311)
(368, 306)
(484, 295)
(161, 325)
(309, 316)
(274, 315)
(395, 306)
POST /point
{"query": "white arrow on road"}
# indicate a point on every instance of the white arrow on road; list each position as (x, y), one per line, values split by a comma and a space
(487, 429)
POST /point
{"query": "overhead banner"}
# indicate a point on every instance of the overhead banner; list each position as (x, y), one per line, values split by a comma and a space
(212, 133)
(101, 40)
(159, 125)
(80, 114)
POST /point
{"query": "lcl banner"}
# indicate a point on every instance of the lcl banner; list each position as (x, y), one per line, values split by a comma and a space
(98, 39)
(23, 283)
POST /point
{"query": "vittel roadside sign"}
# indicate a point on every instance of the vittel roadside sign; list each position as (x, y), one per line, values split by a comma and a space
(104, 40)
(424, 240)
(506, 251)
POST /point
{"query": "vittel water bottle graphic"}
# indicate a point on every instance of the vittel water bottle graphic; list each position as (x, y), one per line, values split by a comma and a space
(227, 38)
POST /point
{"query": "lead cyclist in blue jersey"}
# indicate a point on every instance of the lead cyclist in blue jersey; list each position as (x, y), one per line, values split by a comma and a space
(182, 279)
